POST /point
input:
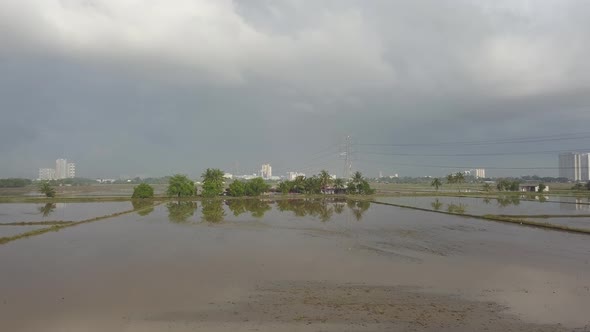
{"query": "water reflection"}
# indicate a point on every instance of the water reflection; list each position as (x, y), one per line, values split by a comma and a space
(574, 203)
(322, 209)
(212, 210)
(456, 208)
(47, 209)
(179, 212)
(504, 201)
(142, 207)
(256, 207)
(436, 205)
(358, 208)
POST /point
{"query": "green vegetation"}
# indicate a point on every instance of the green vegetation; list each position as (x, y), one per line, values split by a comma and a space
(254, 187)
(339, 184)
(436, 183)
(457, 178)
(14, 183)
(212, 182)
(436, 205)
(143, 190)
(456, 208)
(180, 186)
(581, 186)
(323, 183)
(359, 185)
(542, 187)
(487, 187)
(324, 179)
(507, 185)
(46, 189)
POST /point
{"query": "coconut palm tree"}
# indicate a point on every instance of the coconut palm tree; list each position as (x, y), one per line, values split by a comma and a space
(46, 189)
(436, 183)
(325, 179)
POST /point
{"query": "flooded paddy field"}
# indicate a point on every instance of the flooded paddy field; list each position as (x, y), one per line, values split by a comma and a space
(6, 231)
(34, 212)
(295, 265)
(498, 205)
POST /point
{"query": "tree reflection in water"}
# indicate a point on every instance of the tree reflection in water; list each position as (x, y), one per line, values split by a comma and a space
(256, 207)
(358, 208)
(212, 210)
(436, 204)
(47, 209)
(508, 200)
(142, 207)
(179, 212)
(322, 209)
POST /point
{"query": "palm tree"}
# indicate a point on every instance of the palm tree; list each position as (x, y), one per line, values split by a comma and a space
(339, 184)
(451, 178)
(459, 178)
(299, 184)
(46, 189)
(325, 179)
(357, 177)
(436, 183)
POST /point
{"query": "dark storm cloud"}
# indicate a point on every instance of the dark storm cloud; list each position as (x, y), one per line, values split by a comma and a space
(134, 87)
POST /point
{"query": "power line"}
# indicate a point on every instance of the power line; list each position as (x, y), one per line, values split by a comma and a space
(463, 166)
(464, 154)
(532, 139)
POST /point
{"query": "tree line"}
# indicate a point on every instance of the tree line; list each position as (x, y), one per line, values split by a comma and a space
(14, 183)
(213, 185)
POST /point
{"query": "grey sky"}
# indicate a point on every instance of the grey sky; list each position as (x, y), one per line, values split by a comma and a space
(158, 87)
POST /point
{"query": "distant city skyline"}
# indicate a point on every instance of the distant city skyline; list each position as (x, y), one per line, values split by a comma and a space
(63, 170)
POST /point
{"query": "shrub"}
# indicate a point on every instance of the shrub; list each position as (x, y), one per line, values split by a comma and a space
(143, 190)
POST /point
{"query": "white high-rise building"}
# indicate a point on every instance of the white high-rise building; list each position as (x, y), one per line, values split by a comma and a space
(46, 174)
(574, 166)
(266, 171)
(61, 169)
(479, 173)
(71, 170)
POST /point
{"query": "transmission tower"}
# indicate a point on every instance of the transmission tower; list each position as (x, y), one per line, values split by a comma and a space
(346, 154)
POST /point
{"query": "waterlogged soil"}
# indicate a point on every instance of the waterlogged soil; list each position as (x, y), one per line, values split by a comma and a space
(509, 205)
(33, 212)
(267, 266)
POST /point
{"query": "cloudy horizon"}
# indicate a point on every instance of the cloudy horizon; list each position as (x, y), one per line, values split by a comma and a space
(149, 88)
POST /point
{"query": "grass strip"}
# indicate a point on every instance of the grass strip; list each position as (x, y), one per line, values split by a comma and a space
(37, 223)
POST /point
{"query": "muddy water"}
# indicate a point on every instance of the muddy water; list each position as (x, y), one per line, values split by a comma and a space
(31, 212)
(296, 267)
